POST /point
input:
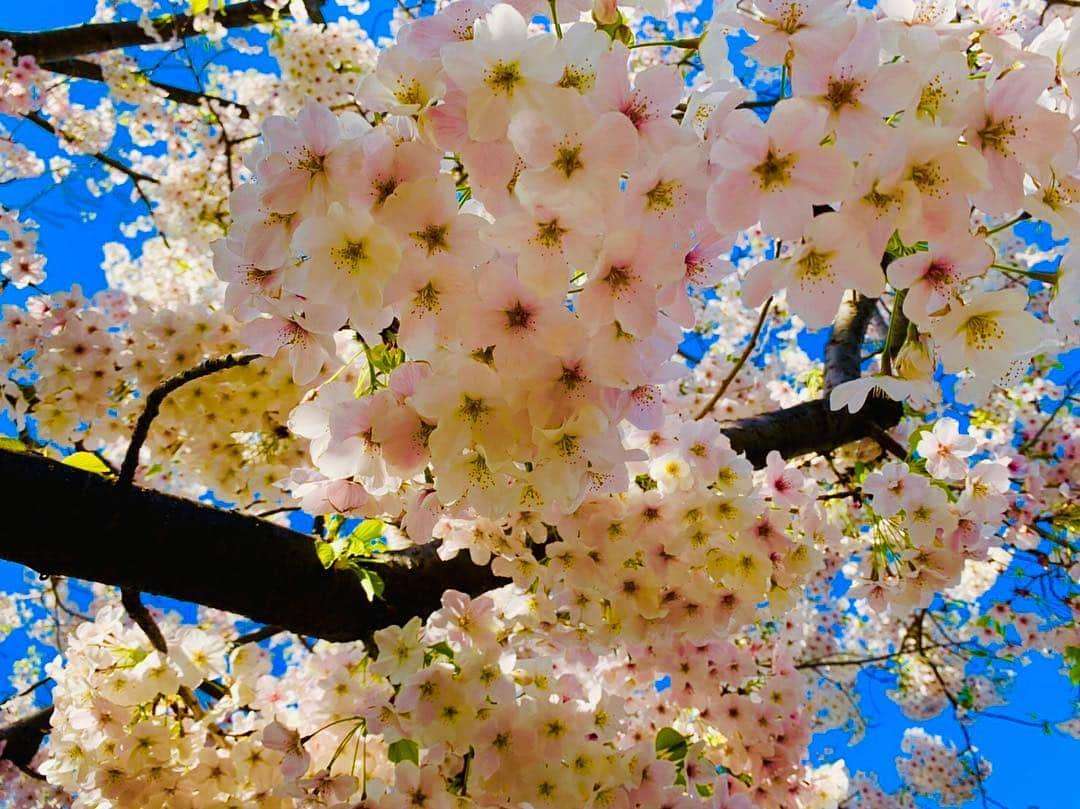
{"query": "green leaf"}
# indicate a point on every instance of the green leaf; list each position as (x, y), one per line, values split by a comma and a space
(361, 540)
(670, 745)
(88, 462)
(11, 444)
(1072, 660)
(326, 553)
(404, 750)
(198, 6)
(645, 482)
(372, 583)
(965, 697)
(443, 648)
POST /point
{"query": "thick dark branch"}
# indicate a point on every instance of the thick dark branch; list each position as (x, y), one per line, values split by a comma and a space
(314, 10)
(21, 739)
(814, 426)
(81, 69)
(157, 543)
(78, 40)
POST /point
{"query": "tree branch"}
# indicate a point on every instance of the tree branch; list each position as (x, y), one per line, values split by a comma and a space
(78, 40)
(81, 69)
(747, 351)
(158, 395)
(111, 162)
(314, 10)
(157, 543)
(813, 426)
(22, 738)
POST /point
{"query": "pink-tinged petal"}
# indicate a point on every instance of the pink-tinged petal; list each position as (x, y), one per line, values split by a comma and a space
(903, 272)
(315, 233)
(826, 172)
(286, 192)
(816, 303)
(281, 133)
(918, 306)
(267, 335)
(342, 459)
(763, 279)
(662, 86)
(786, 212)
(533, 136)
(1018, 89)
(320, 127)
(732, 202)
(613, 141)
(646, 410)
(797, 126)
(323, 318)
(404, 378)
(306, 358)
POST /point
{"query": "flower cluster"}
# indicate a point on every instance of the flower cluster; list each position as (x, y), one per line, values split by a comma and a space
(22, 82)
(82, 367)
(24, 264)
(470, 259)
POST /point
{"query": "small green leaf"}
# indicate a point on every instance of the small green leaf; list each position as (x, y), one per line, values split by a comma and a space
(1072, 660)
(916, 437)
(645, 482)
(326, 553)
(404, 750)
(965, 697)
(372, 583)
(670, 745)
(88, 462)
(362, 539)
(443, 648)
(11, 444)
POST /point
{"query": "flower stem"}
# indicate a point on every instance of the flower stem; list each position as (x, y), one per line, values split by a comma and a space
(998, 228)
(555, 18)
(1044, 277)
(893, 338)
(690, 44)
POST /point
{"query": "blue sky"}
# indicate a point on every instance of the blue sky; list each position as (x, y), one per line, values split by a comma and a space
(1031, 770)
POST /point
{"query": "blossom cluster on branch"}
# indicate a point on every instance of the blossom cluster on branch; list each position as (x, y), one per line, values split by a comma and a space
(470, 261)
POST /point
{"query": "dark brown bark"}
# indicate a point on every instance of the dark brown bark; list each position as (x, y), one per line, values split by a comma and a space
(82, 69)
(21, 739)
(157, 543)
(144, 540)
(813, 426)
(79, 40)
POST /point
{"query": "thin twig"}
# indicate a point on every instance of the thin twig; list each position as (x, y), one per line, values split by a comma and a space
(739, 364)
(258, 635)
(956, 706)
(30, 689)
(157, 396)
(1074, 382)
(887, 442)
(112, 162)
(141, 615)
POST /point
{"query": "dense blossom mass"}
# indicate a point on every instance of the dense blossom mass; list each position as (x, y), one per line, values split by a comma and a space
(457, 280)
